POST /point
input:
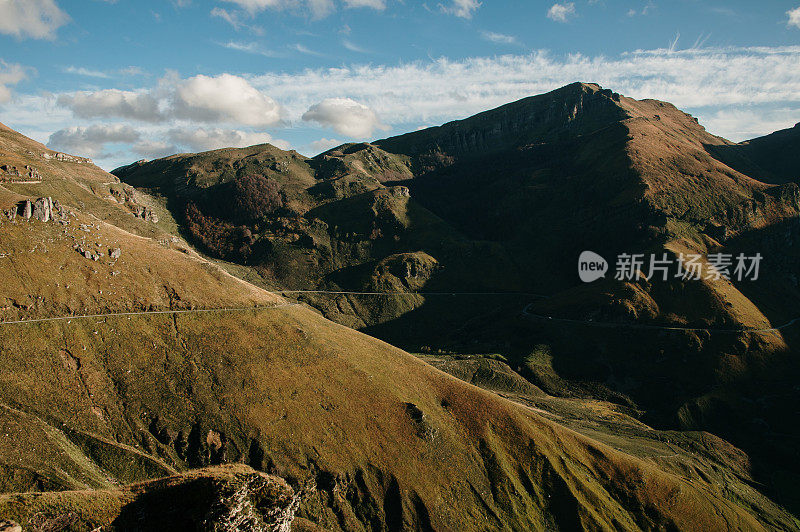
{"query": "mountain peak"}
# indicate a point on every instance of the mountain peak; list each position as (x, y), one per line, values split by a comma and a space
(574, 109)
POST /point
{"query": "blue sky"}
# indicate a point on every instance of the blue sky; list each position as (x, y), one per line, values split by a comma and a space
(129, 79)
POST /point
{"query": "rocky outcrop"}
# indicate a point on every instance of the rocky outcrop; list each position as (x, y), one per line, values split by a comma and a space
(145, 213)
(58, 156)
(10, 173)
(43, 209)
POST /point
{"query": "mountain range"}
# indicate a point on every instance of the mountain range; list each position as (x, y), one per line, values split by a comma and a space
(393, 335)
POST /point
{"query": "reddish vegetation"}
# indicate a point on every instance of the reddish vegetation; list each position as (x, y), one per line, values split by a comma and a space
(220, 237)
(253, 196)
(223, 224)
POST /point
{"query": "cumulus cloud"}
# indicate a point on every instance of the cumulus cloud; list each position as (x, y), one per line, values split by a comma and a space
(461, 8)
(37, 19)
(10, 74)
(346, 117)
(561, 12)
(794, 17)
(112, 103)
(91, 141)
(224, 98)
(211, 139)
(499, 38)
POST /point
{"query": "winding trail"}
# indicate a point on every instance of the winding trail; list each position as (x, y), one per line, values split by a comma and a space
(525, 312)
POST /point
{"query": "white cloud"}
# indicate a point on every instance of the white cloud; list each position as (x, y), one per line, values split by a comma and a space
(10, 74)
(321, 145)
(499, 38)
(224, 98)
(561, 12)
(112, 103)
(794, 17)
(212, 139)
(374, 4)
(154, 149)
(346, 117)
(461, 8)
(90, 141)
(37, 19)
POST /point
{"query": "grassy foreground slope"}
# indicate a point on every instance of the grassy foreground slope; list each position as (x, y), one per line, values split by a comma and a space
(369, 436)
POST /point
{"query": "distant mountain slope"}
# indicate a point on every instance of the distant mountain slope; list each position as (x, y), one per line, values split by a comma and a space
(370, 435)
(772, 158)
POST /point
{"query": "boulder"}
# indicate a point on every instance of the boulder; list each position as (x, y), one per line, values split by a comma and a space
(114, 253)
(43, 209)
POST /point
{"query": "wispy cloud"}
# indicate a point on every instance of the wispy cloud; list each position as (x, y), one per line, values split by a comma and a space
(673, 44)
(354, 47)
(499, 38)
(82, 71)
(305, 50)
(249, 47)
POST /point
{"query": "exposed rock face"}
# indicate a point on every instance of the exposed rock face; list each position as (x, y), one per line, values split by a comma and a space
(115, 253)
(27, 209)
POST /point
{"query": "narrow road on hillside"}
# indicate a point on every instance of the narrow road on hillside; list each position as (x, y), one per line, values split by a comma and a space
(146, 312)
